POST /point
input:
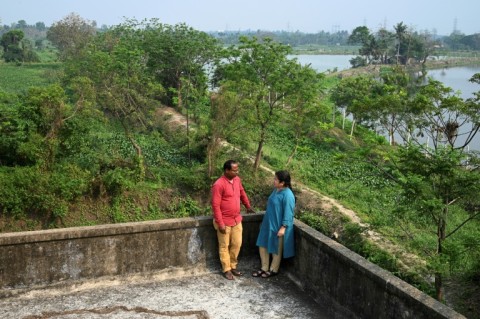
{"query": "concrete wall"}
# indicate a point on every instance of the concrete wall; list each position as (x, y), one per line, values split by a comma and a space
(336, 276)
(326, 270)
(56, 257)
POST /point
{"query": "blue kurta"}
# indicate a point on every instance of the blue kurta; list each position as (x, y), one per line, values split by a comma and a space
(280, 211)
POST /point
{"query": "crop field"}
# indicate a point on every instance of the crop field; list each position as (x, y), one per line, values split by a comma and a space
(18, 78)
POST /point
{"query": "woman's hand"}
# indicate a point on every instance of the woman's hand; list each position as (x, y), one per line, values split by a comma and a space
(281, 231)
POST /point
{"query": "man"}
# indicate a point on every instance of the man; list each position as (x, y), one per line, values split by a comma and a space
(227, 194)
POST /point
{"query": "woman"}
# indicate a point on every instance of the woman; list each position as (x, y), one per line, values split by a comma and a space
(276, 232)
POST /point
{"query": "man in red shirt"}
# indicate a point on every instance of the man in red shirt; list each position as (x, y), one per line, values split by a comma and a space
(227, 194)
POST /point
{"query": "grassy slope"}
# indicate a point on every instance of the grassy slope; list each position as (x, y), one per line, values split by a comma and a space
(168, 200)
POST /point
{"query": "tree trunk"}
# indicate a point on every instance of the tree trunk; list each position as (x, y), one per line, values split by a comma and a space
(139, 159)
(292, 154)
(440, 239)
(353, 126)
(212, 150)
(258, 155)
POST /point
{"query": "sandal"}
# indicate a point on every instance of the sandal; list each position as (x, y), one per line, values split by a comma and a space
(228, 275)
(236, 272)
(258, 273)
(267, 274)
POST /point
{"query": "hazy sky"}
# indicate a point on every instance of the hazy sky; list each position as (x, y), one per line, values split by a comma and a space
(293, 15)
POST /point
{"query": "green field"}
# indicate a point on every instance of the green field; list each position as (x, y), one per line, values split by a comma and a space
(17, 78)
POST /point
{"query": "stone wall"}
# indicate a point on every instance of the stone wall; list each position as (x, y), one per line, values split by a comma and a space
(326, 270)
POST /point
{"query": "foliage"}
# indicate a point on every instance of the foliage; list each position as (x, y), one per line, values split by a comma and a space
(16, 48)
(71, 35)
(387, 47)
(95, 141)
(177, 56)
(18, 78)
(270, 81)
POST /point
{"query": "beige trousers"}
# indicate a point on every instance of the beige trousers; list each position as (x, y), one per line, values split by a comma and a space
(276, 258)
(229, 245)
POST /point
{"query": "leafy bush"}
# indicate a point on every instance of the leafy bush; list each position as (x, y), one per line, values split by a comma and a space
(30, 190)
(317, 222)
(118, 180)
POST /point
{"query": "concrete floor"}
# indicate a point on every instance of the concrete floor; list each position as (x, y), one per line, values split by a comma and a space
(200, 296)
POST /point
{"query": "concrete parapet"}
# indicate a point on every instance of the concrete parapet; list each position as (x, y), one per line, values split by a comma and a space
(324, 269)
(336, 276)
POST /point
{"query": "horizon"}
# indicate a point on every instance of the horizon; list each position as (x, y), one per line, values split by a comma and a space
(306, 16)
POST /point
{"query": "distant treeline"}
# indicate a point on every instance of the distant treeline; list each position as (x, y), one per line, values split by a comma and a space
(455, 41)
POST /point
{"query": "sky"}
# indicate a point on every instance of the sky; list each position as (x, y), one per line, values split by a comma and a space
(309, 16)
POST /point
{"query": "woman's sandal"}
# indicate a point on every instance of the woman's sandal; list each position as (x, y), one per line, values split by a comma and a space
(258, 273)
(267, 274)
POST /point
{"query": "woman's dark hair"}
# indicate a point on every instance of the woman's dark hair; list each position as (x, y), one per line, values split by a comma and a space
(284, 176)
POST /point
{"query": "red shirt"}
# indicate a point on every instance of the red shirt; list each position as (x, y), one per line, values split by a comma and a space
(226, 197)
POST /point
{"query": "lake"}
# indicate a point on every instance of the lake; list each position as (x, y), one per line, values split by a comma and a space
(455, 77)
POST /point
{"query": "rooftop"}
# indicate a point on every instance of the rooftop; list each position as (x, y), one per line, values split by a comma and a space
(207, 295)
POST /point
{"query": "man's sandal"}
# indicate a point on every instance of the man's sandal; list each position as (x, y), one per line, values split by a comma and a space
(236, 272)
(267, 274)
(228, 275)
(258, 273)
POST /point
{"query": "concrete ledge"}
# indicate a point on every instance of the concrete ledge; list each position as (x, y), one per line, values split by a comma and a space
(324, 269)
(336, 276)
(43, 258)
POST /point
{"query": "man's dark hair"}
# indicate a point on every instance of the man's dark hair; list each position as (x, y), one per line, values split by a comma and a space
(228, 165)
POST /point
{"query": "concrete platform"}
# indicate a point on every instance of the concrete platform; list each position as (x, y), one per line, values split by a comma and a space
(199, 296)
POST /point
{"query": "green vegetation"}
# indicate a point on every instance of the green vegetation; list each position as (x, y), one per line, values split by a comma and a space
(90, 140)
(18, 78)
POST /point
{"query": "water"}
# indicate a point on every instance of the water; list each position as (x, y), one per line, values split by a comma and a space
(455, 77)
(323, 63)
(458, 79)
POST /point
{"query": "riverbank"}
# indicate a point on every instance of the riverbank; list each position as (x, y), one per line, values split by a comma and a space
(429, 65)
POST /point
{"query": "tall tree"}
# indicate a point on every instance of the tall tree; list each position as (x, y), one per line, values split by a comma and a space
(71, 34)
(353, 95)
(441, 182)
(115, 69)
(177, 55)
(265, 78)
(305, 108)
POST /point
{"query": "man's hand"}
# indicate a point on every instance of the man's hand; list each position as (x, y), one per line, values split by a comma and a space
(223, 229)
(251, 211)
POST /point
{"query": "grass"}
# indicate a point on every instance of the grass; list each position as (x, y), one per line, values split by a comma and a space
(18, 78)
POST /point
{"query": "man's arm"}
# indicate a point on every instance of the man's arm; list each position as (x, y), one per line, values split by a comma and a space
(217, 191)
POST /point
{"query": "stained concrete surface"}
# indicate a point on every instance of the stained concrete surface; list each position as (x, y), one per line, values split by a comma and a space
(206, 295)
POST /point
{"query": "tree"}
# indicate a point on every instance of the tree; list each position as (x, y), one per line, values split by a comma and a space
(401, 43)
(225, 111)
(305, 107)
(70, 35)
(441, 183)
(265, 79)
(353, 94)
(11, 43)
(361, 35)
(390, 107)
(177, 54)
(16, 48)
(115, 74)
